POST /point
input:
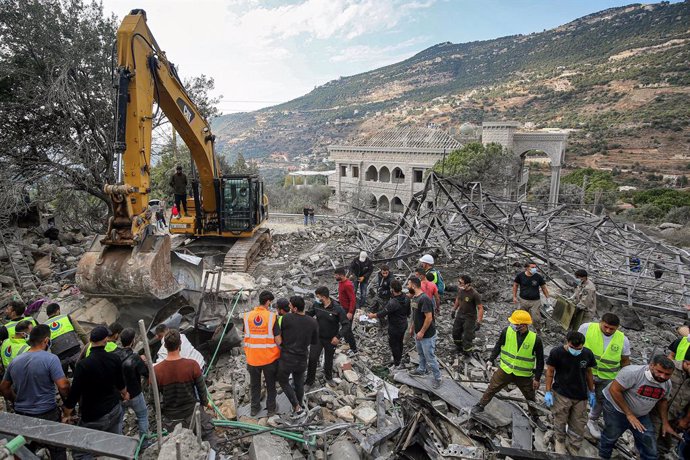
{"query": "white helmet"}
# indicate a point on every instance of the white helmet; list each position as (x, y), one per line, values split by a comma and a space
(427, 259)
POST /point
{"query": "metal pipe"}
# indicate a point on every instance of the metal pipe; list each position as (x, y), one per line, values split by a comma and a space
(197, 418)
(154, 384)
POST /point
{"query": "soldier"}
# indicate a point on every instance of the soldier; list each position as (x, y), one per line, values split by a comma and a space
(585, 296)
(611, 350)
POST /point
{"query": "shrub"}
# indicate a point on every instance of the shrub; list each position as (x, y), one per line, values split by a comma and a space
(678, 215)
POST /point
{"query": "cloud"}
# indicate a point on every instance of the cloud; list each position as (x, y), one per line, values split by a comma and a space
(324, 19)
(379, 55)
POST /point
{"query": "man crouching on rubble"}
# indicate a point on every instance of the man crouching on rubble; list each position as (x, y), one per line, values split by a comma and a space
(522, 363)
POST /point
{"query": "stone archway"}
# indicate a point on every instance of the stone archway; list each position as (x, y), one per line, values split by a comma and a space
(370, 201)
(384, 174)
(397, 205)
(384, 204)
(371, 174)
(398, 176)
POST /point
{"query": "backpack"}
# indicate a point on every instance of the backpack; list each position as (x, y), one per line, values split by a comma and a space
(439, 281)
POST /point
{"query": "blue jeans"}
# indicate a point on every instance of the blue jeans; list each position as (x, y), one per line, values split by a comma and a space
(616, 423)
(426, 349)
(360, 292)
(305, 220)
(138, 405)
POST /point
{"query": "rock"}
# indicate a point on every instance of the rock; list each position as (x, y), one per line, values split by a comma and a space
(189, 447)
(315, 257)
(365, 414)
(269, 447)
(42, 267)
(345, 413)
(49, 288)
(667, 225)
(440, 405)
(9, 281)
(227, 408)
(351, 376)
(76, 251)
(343, 450)
(62, 251)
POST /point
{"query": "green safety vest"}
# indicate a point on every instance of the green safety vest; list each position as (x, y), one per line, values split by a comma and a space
(13, 324)
(59, 325)
(609, 360)
(280, 321)
(522, 362)
(11, 348)
(109, 346)
(682, 350)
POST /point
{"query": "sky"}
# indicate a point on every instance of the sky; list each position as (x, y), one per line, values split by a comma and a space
(264, 52)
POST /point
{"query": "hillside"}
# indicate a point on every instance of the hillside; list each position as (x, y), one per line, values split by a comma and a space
(620, 77)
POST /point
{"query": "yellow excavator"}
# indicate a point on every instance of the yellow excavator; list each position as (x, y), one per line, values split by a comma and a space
(133, 259)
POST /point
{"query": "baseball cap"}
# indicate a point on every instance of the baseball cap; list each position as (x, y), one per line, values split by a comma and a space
(99, 333)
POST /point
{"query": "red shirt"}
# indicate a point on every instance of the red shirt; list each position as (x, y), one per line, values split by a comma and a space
(430, 289)
(346, 296)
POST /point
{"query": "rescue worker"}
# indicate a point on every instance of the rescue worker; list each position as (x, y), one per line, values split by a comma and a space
(468, 312)
(15, 313)
(585, 296)
(427, 261)
(522, 363)
(361, 269)
(396, 311)
(66, 336)
(611, 350)
(528, 284)
(283, 308)
(111, 341)
(17, 344)
(629, 399)
(569, 374)
(261, 341)
(678, 409)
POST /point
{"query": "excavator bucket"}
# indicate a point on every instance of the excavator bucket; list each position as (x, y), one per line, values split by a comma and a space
(123, 271)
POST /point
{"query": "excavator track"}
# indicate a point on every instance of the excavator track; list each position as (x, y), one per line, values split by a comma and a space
(243, 255)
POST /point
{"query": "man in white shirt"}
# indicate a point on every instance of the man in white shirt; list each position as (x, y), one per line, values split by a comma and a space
(187, 350)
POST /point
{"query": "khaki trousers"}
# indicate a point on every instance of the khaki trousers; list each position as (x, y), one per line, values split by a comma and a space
(573, 414)
(533, 307)
(501, 379)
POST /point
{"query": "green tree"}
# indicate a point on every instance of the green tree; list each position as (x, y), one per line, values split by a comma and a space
(489, 164)
(242, 166)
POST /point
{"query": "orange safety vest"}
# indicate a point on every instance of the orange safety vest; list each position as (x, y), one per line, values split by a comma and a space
(259, 342)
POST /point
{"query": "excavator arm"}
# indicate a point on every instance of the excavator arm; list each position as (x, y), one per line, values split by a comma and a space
(145, 75)
(131, 259)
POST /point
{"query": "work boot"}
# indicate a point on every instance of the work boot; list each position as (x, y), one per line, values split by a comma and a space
(560, 447)
(537, 421)
(436, 384)
(255, 411)
(593, 428)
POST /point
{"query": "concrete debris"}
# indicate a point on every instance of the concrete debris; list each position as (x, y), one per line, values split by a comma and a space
(269, 447)
(365, 414)
(343, 450)
(189, 447)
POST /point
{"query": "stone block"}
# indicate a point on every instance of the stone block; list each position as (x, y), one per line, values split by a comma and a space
(269, 447)
(351, 376)
(345, 413)
(365, 414)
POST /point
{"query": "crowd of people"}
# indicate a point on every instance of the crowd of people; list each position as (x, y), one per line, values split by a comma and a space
(589, 382)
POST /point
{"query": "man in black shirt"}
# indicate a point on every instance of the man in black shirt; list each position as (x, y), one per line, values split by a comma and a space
(134, 369)
(333, 324)
(396, 310)
(529, 283)
(298, 332)
(98, 386)
(423, 330)
(569, 372)
(361, 269)
(383, 292)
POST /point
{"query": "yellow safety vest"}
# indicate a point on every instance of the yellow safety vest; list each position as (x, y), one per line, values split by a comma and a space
(109, 346)
(59, 325)
(10, 326)
(520, 362)
(682, 350)
(11, 348)
(609, 360)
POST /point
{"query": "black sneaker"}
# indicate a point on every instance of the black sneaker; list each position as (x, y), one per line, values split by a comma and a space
(254, 412)
(436, 384)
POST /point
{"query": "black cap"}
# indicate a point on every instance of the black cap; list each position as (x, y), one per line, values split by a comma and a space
(99, 333)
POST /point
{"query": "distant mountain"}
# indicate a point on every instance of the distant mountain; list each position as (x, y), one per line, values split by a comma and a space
(621, 76)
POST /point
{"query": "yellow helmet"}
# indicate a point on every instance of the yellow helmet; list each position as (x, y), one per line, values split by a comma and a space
(520, 317)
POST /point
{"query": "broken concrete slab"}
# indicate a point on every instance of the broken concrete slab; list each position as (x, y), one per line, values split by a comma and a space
(266, 446)
(365, 414)
(343, 450)
(189, 446)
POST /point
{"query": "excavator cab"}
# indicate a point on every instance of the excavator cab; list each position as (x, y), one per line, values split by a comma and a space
(243, 205)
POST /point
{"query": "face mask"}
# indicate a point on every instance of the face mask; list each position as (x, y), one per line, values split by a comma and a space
(515, 327)
(533, 270)
(574, 352)
(578, 281)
